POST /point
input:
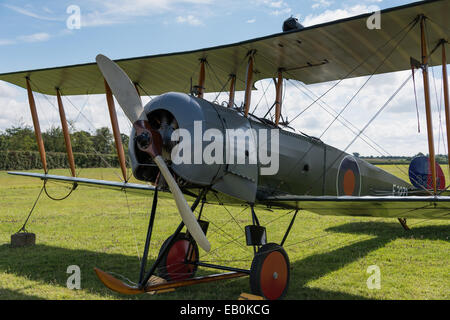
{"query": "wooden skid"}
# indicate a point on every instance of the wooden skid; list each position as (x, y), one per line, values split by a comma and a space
(196, 280)
(160, 286)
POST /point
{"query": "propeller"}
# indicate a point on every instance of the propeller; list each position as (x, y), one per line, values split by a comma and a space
(148, 139)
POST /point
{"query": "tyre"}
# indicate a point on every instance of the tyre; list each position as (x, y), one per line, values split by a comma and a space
(270, 272)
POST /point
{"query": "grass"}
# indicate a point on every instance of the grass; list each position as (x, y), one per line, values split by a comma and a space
(106, 229)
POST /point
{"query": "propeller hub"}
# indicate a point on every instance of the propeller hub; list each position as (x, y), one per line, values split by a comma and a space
(143, 140)
(148, 140)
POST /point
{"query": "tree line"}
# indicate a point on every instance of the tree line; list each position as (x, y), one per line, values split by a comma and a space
(440, 158)
(19, 151)
(22, 138)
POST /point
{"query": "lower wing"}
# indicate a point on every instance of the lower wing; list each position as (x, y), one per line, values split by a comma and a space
(131, 187)
(421, 207)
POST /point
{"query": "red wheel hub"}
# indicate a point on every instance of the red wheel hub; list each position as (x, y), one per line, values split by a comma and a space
(274, 275)
(177, 265)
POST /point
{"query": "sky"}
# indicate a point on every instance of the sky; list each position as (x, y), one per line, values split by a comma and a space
(41, 34)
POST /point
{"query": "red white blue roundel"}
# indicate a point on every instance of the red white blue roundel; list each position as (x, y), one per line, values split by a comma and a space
(348, 177)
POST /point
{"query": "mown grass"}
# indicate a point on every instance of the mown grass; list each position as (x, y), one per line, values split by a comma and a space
(106, 229)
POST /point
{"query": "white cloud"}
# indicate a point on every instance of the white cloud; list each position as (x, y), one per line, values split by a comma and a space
(284, 11)
(189, 19)
(276, 8)
(321, 4)
(32, 14)
(101, 13)
(251, 21)
(36, 37)
(6, 42)
(276, 4)
(331, 15)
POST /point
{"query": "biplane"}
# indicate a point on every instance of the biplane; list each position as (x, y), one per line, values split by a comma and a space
(310, 175)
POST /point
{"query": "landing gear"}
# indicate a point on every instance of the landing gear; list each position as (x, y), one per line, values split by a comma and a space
(180, 260)
(270, 272)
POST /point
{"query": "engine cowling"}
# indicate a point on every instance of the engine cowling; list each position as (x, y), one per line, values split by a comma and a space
(173, 113)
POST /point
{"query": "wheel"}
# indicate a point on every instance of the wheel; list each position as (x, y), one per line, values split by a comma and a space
(270, 272)
(174, 265)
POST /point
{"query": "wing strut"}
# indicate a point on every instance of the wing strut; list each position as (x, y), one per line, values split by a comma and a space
(278, 99)
(201, 78)
(116, 131)
(446, 99)
(232, 91)
(65, 129)
(248, 84)
(426, 87)
(37, 128)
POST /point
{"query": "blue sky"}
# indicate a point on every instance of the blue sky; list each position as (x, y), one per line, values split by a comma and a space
(34, 34)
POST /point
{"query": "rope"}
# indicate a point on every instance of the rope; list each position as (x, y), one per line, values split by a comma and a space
(31, 211)
(74, 186)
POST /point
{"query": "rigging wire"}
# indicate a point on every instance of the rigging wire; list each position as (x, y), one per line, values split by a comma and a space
(362, 130)
(132, 224)
(411, 26)
(346, 123)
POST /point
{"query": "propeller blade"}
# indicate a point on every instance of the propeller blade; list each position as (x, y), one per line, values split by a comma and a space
(128, 98)
(122, 88)
(185, 211)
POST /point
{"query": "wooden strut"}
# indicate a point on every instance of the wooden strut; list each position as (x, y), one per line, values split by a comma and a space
(426, 86)
(37, 128)
(248, 85)
(446, 98)
(201, 78)
(116, 131)
(232, 91)
(278, 99)
(65, 129)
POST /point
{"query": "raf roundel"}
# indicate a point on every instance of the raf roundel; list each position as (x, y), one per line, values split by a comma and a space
(348, 178)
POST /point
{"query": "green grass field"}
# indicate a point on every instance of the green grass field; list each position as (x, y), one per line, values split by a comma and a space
(106, 229)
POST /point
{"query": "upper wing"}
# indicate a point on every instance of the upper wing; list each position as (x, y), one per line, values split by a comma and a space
(314, 54)
(422, 207)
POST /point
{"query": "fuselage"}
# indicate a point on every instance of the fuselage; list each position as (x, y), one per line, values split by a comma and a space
(284, 162)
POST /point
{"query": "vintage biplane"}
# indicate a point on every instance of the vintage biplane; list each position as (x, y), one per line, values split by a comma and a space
(311, 175)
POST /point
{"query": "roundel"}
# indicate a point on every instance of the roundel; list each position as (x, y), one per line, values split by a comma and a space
(348, 178)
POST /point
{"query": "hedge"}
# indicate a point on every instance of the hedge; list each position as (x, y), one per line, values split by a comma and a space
(27, 160)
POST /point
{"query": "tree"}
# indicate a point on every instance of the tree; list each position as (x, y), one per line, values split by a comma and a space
(82, 142)
(54, 140)
(20, 139)
(103, 141)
